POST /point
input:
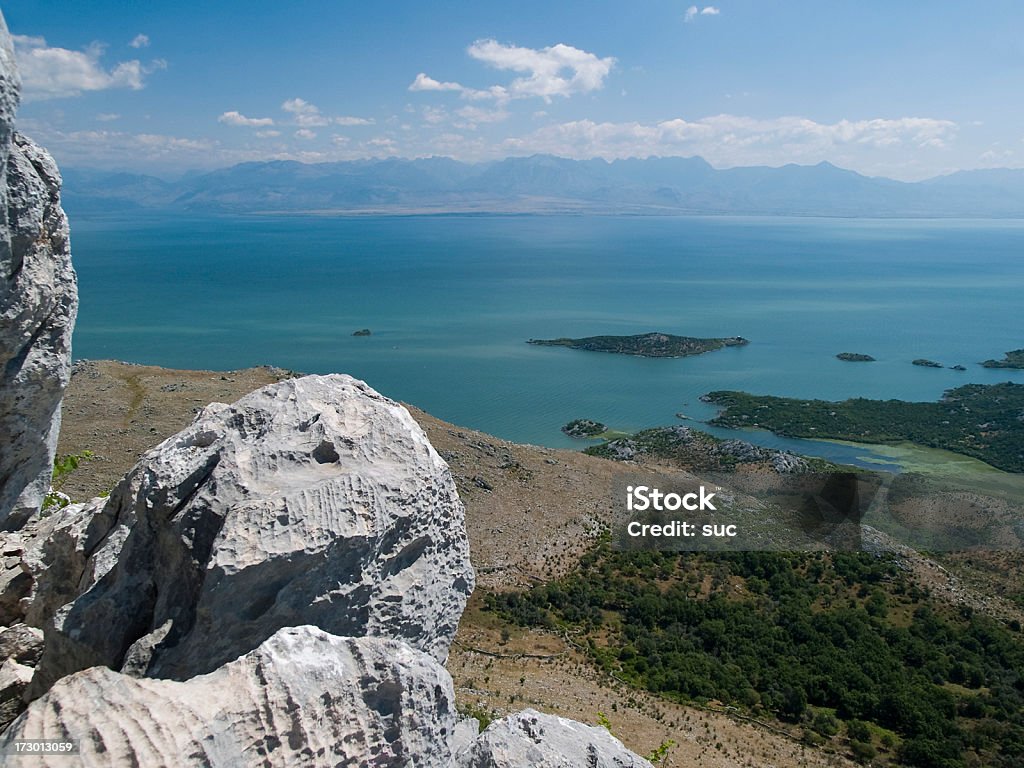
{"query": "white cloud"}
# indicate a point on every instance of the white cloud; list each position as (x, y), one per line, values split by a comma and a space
(472, 116)
(348, 120)
(237, 118)
(693, 12)
(730, 140)
(267, 134)
(434, 115)
(304, 113)
(309, 115)
(107, 117)
(305, 133)
(425, 83)
(140, 41)
(340, 140)
(48, 72)
(559, 70)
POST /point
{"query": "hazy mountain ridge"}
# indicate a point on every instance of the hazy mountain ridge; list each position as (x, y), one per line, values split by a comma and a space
(543, 183)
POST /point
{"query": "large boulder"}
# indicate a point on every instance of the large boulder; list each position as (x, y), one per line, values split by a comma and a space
(311, 501)
(38, 305)
(303, 698)
(531, 738)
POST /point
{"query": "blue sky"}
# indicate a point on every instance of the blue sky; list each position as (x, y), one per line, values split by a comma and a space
(906, 90)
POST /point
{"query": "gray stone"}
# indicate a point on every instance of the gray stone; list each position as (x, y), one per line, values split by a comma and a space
(14, 680)
(303, 698)
(38, 305)
(46, 564)
(530, 738)
(22, 643)
(311, 501)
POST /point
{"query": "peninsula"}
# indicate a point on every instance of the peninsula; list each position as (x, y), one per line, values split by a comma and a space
(645, 344)
(975, 420)
(1013, 359)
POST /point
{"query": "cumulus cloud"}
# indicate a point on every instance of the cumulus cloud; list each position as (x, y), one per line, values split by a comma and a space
(267, 134)
(237, 118)
(49, 72)
(425, 83)
(693, 12)
(107, 117)
(558, 70)
(304, 113)
(305, 133)
(140, 41)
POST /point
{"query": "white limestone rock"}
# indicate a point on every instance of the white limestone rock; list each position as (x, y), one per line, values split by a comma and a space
(530, 738)
(303, 698)
(311, 501)
(38, 305)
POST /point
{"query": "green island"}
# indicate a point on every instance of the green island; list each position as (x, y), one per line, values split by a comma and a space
(1013, 359)
(977, 420)
(645, 344)
(845, 646)
(362, 332)
(584, 429)
(855, 357)
(924, 362)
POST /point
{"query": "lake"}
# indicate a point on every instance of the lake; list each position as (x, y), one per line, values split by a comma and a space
(451, 301)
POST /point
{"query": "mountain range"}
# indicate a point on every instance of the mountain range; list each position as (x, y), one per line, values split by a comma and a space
(548, 184)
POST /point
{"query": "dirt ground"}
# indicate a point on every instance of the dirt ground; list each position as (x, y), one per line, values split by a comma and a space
(530, 513)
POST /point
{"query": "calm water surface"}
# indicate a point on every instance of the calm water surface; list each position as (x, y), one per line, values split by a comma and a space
(451, 301)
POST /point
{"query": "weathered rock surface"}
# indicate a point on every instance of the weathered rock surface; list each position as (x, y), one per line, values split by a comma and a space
(530, 738)
(38, 305)
(311, 501)
(303, 698)
(45, 564)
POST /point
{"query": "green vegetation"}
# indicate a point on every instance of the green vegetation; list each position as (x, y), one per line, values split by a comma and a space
(844, 646)
(584, 428)
(926, 363)
(645, 344)
(855, 357)
(1013, 359)
(479, 713)
(62, 467)
(977, 420)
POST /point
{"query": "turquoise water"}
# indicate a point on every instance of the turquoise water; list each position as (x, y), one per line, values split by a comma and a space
(451, 301)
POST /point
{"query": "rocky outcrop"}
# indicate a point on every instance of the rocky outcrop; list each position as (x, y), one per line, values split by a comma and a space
(38, 305)
(530, 738)
(311, 501)
(303, 698)
(277, 584)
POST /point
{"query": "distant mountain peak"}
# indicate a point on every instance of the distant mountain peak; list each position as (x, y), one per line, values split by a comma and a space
(545, 183)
